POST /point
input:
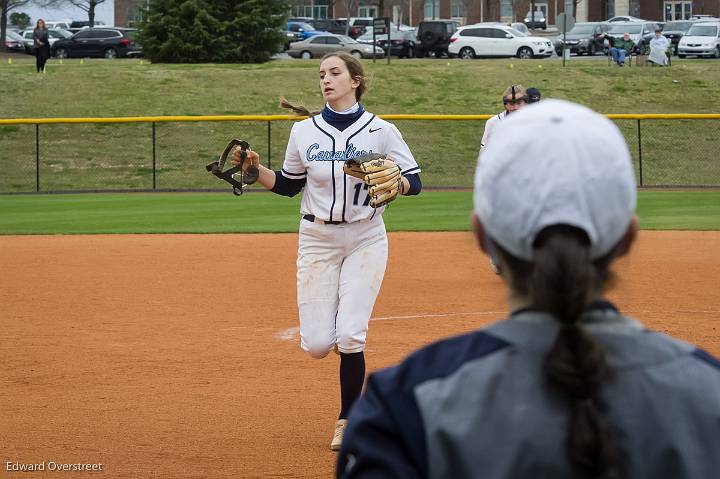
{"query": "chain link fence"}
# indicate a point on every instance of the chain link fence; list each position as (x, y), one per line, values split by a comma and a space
(167, 154)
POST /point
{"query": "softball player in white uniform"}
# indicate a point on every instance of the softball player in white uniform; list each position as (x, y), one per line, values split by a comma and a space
(342, 247)
(514, 98)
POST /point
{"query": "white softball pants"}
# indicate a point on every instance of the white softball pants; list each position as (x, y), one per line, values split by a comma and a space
(339, 272)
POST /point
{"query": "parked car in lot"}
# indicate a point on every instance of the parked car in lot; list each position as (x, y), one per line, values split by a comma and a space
(433, 36)
(14, 42)
(520, 27)
(319, 45)
(625, 18)
(53, 36)
(702, 39)
(98, 42)
(675, 30)
(536, 19)
(291, 37)
(584, 38)
(402, 42)
(337, 26)
(360, 23)
(304, 30)
(492, 40)
(77, 25)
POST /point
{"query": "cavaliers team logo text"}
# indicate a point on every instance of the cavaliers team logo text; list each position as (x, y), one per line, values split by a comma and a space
(314, 153)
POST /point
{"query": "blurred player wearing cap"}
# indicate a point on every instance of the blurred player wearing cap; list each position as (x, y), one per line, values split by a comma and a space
(533, 95)
(567, 386)
(514, 98)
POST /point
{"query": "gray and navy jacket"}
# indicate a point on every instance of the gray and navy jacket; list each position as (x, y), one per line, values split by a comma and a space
(478, 405)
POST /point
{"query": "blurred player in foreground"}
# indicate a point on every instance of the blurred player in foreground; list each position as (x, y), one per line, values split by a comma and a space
(566, 386)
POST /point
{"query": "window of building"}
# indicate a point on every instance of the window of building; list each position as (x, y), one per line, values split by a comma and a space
(506, 9)
(432, 9)
(368, 11)
(458, 9)
(541, 5)
(610, 9)
(310, 8)
(678, 10)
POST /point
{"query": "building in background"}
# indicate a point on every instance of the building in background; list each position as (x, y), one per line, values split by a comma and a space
(661, 10)
(411, 12)
(129, 12)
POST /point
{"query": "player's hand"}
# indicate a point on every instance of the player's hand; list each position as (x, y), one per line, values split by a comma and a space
(252, 158)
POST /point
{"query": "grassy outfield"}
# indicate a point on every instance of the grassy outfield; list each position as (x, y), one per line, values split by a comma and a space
(264, 212)
(119, 156)
(133, 87)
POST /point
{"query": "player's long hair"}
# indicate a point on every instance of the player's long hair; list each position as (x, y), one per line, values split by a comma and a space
(560, 281)
(356, 71)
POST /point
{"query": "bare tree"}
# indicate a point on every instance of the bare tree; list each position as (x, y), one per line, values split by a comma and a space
(85, 5)
(5, 7)
(351, 7)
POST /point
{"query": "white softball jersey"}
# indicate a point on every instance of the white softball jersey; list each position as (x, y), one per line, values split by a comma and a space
(316, 151)
(490, 125)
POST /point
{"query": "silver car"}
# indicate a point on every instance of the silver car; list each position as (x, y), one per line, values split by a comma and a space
(319, 45)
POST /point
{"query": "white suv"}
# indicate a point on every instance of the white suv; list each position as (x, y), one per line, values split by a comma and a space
(702, 39)
(493, 40)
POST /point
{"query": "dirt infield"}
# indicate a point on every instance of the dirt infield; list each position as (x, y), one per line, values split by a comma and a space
(177, 356)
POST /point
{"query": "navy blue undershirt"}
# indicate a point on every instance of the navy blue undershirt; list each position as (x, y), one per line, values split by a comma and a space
(290, 187)
(341, 120)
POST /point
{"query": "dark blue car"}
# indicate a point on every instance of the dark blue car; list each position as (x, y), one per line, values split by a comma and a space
(304, 30)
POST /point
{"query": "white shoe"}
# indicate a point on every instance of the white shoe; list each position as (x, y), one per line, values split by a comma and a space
(340, 425)
(494, 267)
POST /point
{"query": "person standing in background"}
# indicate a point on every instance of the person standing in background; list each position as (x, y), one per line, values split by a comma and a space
(41, 43)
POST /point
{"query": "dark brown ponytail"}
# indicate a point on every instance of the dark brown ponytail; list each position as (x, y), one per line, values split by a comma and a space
(560, 281)
(299, 110)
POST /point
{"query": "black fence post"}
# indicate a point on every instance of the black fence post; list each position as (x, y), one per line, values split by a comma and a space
(640, 162)
(154, 169)
(37, 157)
(269, 143)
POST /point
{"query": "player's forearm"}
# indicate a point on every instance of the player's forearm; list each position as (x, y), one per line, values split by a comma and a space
(266, 177)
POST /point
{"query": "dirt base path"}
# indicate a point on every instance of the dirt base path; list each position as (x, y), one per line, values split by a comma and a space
(177, 356)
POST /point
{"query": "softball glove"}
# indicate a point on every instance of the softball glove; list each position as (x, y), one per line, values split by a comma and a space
(380, 173)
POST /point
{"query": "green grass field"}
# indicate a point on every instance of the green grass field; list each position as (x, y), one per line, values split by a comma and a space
(119, 156)
(266, 212)
(109, 88)
(115, 156)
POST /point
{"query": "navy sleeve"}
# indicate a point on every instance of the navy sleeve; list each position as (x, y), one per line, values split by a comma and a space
(286, 186)
(385, 435)
(374, 444)
(415, 184)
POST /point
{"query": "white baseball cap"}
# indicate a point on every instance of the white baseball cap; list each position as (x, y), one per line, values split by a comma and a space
(550, 163)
